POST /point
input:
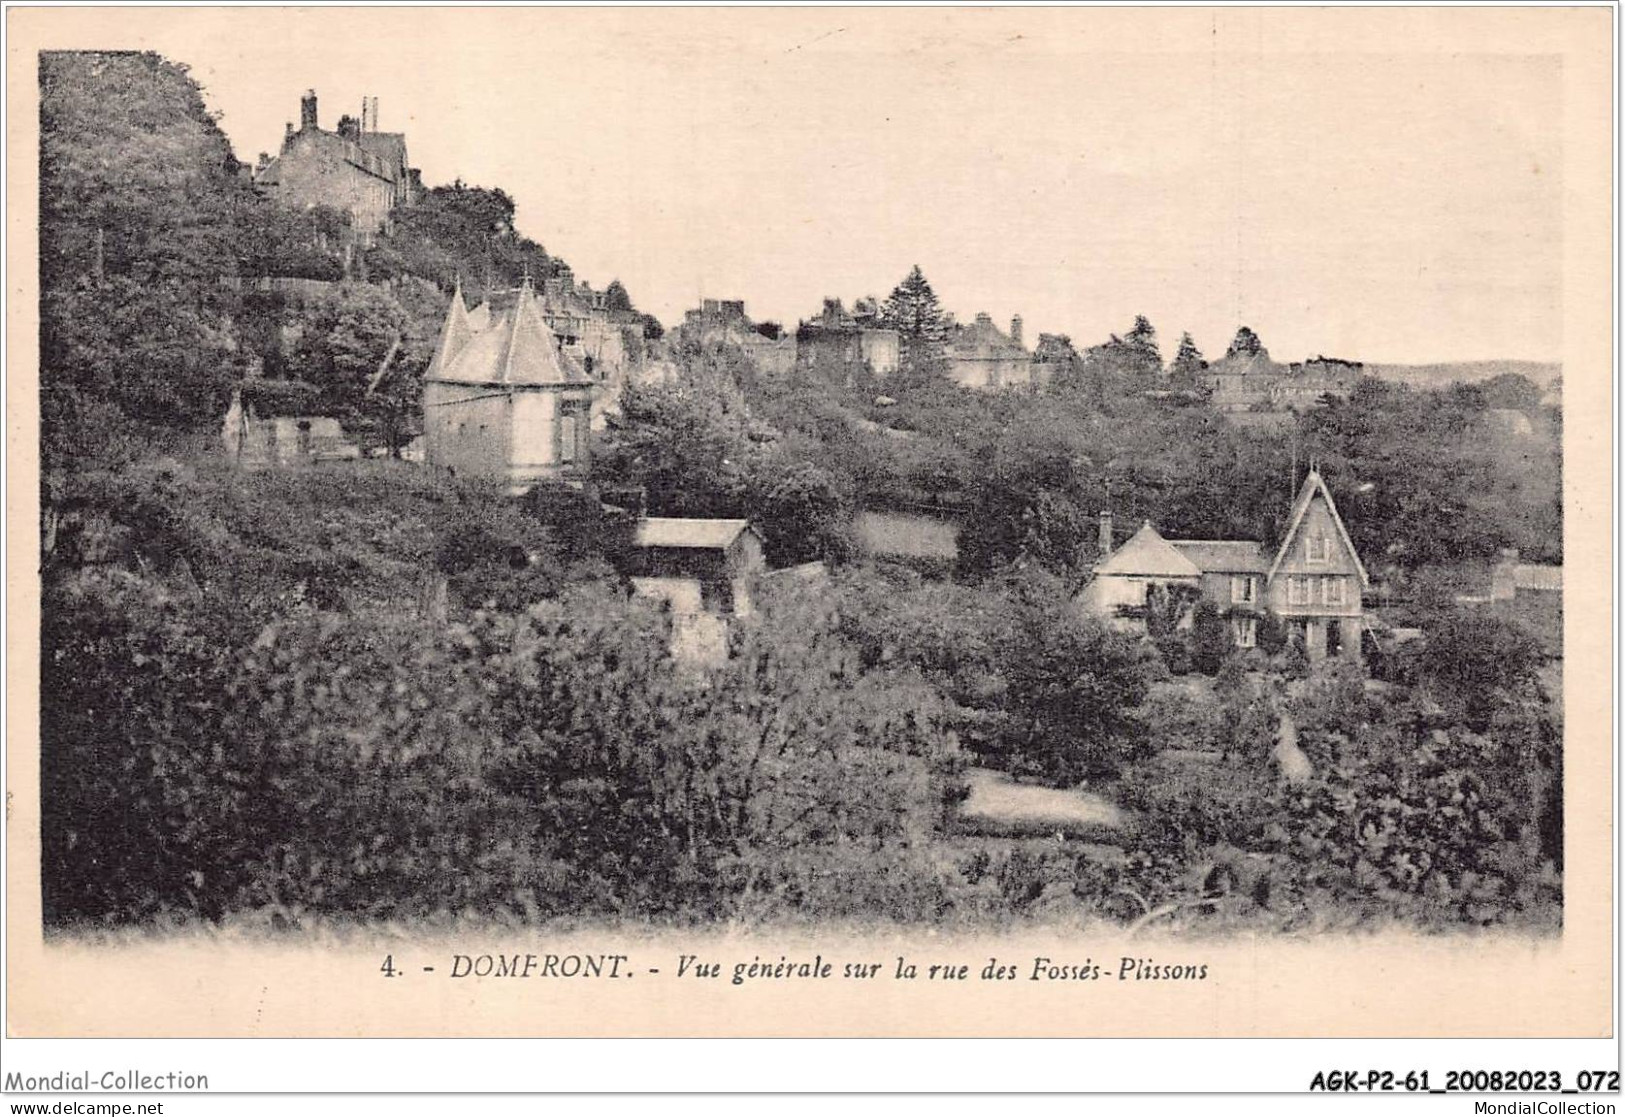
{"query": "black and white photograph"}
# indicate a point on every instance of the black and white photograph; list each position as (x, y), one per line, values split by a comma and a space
(774, 476)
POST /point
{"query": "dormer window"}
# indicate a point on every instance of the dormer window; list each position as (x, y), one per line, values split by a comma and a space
(1317, 548)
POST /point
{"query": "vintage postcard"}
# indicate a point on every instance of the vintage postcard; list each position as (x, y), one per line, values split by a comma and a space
(809, 522)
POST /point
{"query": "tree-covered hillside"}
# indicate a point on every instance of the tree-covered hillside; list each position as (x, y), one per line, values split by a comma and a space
(155, 250)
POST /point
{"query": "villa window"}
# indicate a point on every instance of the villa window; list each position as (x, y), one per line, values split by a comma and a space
(573, 430)
(1331, 590)
(1297, 590)
(1243, 589)
(1317, 548)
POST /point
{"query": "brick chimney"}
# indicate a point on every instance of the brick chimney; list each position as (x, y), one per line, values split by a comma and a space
(1105, 545)
(307, 111)
(350, 128)
(1015, 329)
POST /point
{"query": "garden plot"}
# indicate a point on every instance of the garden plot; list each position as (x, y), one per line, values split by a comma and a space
(998, 804)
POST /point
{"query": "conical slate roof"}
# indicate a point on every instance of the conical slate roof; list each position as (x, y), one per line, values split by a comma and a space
(512, 346)
(455, 335)
(1148, 554)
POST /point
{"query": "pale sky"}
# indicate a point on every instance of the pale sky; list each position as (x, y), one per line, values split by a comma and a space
(1341, 188)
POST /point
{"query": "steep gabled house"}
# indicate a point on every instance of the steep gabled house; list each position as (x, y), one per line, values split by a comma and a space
(1314, 584)
(1317, 579)
(502, 398)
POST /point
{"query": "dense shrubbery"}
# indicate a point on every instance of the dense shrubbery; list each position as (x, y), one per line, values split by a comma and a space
(1408, 813)
(552, 762)
(1438, 824)
(1036, 688)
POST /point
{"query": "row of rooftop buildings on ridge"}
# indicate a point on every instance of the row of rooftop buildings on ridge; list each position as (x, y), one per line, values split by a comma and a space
(838, 343)
(366, 173)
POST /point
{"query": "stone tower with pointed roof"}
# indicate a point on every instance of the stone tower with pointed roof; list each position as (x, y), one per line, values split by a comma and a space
(503, 399)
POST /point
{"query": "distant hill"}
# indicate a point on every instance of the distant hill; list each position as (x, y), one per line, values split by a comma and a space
(1437, 376)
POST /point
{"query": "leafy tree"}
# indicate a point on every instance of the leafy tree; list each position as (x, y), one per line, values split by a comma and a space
(150, 349)
(686, 443)
(1188, 363)
(1249, 715)
(1210, 638)
(138, 216)
(1142, 339)
(913, 311)
(1432, 823)
(1168, 606)
(951, 634)
(1245, 344)
(460, 231)
(1072, 691)
(1271, 633)
(616, 298)
(1478, 664)
(1121, 364)
(804, 514)
(352, 335)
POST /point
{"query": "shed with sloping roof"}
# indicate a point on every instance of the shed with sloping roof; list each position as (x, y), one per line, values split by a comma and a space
(696, 565)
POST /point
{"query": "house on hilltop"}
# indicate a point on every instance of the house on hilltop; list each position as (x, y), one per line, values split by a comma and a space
(718, 322)
(503, 398)
(1247, 379)
(981, 356)
(356, 169)
(839, 343)
(1314, 583)
(586, 326)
